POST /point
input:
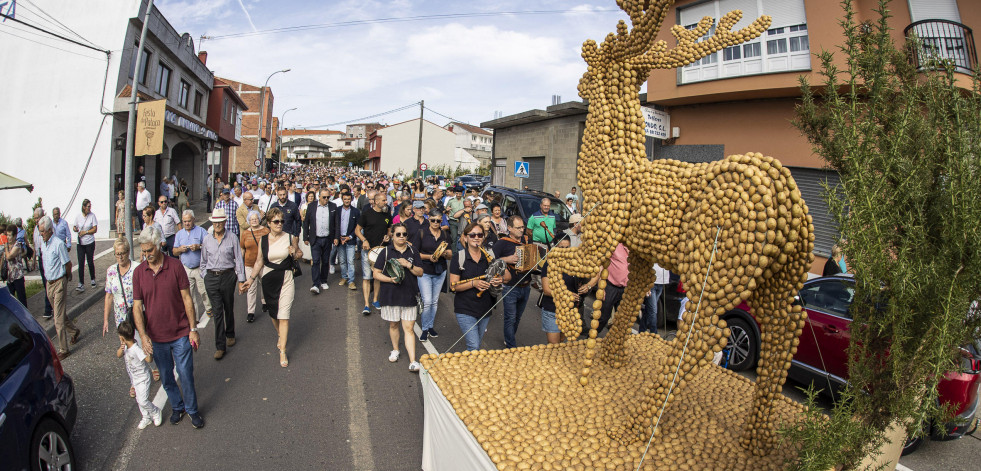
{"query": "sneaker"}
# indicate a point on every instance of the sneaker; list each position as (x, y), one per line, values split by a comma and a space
(342, 283)
(351, 286)
(415, 367)
(424, 336)
(394, 356)
(48, 315)
(377, 305)
(230, 341)
(432, 333)
(366, 311)
(197, 421)
(265, 308)
(332, 269)
(80, 288)
(176, 416)
(250, 318)
(315, 290)
(157, 417)
(208, 312)
(93, 283)
(324, 286)
(219, 354)
(144, 423)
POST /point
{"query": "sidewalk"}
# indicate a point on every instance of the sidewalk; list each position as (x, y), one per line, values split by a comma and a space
(77, 302)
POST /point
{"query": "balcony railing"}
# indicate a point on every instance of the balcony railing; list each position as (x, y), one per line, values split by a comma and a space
(944, 40)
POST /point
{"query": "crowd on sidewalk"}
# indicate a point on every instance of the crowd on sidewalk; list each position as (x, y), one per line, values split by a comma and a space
(408, 242)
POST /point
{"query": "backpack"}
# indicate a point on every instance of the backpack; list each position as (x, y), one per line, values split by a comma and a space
(463, 253)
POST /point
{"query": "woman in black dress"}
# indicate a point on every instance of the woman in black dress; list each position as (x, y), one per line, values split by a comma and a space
(471, 310)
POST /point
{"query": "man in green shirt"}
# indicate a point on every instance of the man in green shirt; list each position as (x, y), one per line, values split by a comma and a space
(543, 215)
(454, 210)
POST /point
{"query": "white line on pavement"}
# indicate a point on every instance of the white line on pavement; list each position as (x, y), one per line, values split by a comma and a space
(104, 252)
(900, 467)
(358, 430)
(427, 344)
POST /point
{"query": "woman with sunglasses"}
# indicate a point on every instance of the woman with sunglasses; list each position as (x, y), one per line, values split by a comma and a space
(276, 277)
(471, 310)
(249, 241)
(398, 300)
(434, 270)
(490, 234)
(119, 295)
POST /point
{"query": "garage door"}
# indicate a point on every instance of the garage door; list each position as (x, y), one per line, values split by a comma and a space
(810, 181)
(536, 173)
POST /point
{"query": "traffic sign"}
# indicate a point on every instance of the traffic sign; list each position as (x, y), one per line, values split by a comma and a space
(423, 166)
(521, 169)
(257, 162)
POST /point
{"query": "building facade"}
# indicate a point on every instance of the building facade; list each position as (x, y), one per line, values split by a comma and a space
(709, 101)
(242, 158)
(548, 140)
(395, 149)
(225, 109)
(356, 136)
(306, 151)
(477, 143)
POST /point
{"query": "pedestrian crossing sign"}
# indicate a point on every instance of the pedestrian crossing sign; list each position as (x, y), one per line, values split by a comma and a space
(521, 169)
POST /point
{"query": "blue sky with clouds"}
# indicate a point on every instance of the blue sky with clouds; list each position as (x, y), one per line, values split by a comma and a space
(465, 68)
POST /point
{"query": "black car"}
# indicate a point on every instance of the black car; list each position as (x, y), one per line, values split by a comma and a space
(468, 182)
(37, 397)
(525, 203)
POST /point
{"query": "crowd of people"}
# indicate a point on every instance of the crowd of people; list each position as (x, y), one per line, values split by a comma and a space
(408, 241)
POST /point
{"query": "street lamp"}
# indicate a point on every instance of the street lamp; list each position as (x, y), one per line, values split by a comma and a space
(262, 103)
(282, 126)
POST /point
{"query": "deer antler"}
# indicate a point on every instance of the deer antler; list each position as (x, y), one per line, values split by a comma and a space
(690, 49)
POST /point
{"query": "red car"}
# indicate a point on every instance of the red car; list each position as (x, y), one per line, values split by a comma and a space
(828, 326)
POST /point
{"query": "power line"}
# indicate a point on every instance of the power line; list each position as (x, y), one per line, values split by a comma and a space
(447, 117)
(396, 110)
(446, 16)
(55, 20)
(49, 45)
(52, 33)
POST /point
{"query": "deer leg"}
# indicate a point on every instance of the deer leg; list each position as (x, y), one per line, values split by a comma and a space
(640, 282)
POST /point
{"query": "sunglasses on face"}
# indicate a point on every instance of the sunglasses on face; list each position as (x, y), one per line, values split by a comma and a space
(476, 235)
(162, 202)
(401, 234)
(120, 254)
(276, 221)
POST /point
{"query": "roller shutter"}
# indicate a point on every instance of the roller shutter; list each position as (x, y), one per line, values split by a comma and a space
(809, 181)
(536, 173)
(934, 10)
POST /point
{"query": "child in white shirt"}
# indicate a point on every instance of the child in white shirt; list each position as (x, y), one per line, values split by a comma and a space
(137, 365)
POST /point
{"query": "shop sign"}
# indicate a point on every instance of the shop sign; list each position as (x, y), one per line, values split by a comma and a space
(657, 123)
(190, 126)
(149, 127)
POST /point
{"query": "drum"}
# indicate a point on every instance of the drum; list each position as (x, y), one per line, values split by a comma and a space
(440, 249)
(395, 270)
(374, 253)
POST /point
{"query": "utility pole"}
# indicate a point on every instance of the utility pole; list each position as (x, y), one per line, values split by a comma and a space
(422, 110)
(258, 142)
(131, 134)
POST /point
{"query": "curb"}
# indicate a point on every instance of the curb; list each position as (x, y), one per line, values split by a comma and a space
(77, 310)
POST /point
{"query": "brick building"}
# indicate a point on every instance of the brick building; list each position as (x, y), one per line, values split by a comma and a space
(242, 158)
(225, 109)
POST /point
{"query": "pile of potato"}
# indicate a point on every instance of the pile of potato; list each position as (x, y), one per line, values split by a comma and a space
(528, 411)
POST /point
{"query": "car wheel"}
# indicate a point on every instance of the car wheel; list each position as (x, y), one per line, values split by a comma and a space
(50, 448)
(911, 445)
(743, 345)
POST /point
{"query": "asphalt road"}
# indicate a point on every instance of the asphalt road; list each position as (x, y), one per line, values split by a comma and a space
(339, 405)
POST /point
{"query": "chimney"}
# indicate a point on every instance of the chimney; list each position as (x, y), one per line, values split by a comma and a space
(203, 57)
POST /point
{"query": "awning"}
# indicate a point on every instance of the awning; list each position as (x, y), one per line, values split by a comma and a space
(8, 182)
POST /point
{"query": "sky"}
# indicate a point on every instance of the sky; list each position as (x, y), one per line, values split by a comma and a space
(465, 68)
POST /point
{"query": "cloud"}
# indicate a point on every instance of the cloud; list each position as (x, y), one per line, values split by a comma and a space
(247, 16)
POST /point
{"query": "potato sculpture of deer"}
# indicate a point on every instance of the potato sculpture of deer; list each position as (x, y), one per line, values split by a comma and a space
(735, 230)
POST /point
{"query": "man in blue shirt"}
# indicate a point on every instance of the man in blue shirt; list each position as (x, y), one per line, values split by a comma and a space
(187, 246)
(60, 228)
(58, 272)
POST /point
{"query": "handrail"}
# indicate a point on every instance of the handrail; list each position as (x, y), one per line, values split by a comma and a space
(945, 40)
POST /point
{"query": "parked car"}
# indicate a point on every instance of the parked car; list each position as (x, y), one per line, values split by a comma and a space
(821, 356)
(468, 182)
(37, 397)
(525, 202)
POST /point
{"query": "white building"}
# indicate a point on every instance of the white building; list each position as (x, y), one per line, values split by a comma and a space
(56, 91)
(472, 142)
(395, 148)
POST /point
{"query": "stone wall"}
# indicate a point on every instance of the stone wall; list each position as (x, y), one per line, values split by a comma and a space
(557, 139)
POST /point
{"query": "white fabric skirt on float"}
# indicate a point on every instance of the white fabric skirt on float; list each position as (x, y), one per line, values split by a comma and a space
(446, 442)
(305, 251)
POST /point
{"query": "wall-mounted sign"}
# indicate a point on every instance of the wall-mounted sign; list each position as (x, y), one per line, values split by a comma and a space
(190, 126)
(149, 136)
(657, 123)
(521, 169)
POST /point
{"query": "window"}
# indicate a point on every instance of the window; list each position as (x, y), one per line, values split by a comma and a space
(832, 297)
(184, 94)
(163, 79)
(225, 110)
(198, 98)
(233, 114)
(787, 46)
(144, 63)
(15, 343)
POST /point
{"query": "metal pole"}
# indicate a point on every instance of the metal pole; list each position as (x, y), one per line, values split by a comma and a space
(131, 132)
(422, 109)
(259, 155)
(282, 126)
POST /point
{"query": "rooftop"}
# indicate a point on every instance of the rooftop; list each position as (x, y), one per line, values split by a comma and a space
(568, 108)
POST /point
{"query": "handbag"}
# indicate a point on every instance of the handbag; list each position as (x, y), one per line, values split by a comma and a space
(295, 263)
(289, 263)
(129, 309)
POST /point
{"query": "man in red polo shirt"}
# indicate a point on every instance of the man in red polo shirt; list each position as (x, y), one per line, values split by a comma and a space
(164, 313)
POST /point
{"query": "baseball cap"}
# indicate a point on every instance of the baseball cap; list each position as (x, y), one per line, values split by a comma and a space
(481, 206)
(226, 191)
(576, 218)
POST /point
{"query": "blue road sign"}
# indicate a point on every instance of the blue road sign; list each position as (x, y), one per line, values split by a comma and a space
(521, 169)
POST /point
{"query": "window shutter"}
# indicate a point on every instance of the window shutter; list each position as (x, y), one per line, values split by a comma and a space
(694, 14)
(785, 12)
(934, 10)
(749, 7)
(809, 181)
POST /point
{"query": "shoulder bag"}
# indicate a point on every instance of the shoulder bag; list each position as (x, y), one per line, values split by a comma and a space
(129, 309)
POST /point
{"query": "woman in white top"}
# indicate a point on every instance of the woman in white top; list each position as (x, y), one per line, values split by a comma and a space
(86, 225)
(119, 294)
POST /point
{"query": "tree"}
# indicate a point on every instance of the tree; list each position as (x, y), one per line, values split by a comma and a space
(357, 158)
(904, 140)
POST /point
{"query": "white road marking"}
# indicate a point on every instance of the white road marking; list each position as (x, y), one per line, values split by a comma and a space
(427, 344)
(104, 252)
(900, 467)
(358, 428)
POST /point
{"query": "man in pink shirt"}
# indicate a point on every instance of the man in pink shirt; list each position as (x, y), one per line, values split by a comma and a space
(615, 283)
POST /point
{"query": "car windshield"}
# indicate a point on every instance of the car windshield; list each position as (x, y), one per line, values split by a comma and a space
(467, 179)
(531, 205)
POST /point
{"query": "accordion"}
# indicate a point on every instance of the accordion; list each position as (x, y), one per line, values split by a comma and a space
(529, 257)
